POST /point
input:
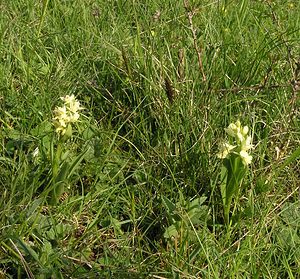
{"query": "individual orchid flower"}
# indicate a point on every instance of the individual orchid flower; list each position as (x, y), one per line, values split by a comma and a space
(246, 158)
(225, 149)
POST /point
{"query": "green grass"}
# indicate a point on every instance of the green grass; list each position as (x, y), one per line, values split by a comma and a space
(149, 134)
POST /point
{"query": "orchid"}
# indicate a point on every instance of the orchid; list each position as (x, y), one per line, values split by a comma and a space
(66, 114)
(236, 158)
(244, 143)
(64, 117)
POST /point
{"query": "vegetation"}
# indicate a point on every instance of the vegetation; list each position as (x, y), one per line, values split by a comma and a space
(131, 188)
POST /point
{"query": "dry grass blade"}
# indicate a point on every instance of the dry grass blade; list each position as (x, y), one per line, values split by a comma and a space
(25, 265)
(181, 61)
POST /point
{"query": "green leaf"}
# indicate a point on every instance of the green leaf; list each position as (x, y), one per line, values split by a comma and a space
(28, 250)
(63, 172)
(171, 232)
(171, 207)
(291, 214)
(288, 237)
(196, 202)
(223, 185)
(33, 207)
(236, 172)
(198, 215)
(76, 162)
(197, 212)
(290, 159)
(42, 129)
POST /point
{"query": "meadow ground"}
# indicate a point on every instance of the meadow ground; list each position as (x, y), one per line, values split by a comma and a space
(134, 190)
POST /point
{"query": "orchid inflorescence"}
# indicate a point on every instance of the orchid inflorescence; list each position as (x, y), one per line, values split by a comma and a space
(67, 114)
(243, 143)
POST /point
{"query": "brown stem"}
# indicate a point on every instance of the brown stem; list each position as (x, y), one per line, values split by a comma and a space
(251, 88)
(197, 48)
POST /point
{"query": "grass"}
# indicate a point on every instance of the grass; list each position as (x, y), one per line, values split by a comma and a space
(145, 147)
